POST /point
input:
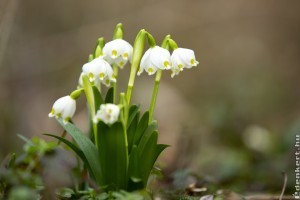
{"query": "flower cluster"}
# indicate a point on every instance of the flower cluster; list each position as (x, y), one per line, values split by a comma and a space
(116, 54)
(159, 58)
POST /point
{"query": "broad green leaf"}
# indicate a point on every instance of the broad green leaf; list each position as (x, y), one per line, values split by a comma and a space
(148, 157)
(87, 147)
(134, 175)
(113, 154)
(141, 128)
(98, 98)
(74, 148)
(110, 96)
(131, 131)
(146, 135)
(159, 149)
(133, 111)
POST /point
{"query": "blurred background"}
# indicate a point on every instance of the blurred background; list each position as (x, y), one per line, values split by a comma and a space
(232, 120)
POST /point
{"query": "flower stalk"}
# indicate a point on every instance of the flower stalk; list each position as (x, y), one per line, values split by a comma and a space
(118, 34)
(138, 49)
(165, 44)
(91, 102)
(124, 116)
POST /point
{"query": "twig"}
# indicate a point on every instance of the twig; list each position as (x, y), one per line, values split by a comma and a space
(284, 184)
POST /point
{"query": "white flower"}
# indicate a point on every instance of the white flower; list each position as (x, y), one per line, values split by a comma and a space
(117, 52)
(182, 58)
(109, 78)
(98, 69)
(108, 113)
(155, 58)
(64, 108)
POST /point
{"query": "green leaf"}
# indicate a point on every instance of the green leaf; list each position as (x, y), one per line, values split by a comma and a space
(133, 111)
(131, 131)
(135, 178)
(74, 148)
(148, 157)
(97, 97)
(65, 193)
(12, 160)
(141, 128)
(146, 136)
(110, 96)
(22, 137)
(87, 147)
(159, 149)
(113, 154)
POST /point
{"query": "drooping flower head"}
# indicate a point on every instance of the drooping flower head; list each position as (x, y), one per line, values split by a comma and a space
(109, 78)
(117, 52)
(64, 108)
(98, 70)
(108, 113)
(155, 58)
(182, 58)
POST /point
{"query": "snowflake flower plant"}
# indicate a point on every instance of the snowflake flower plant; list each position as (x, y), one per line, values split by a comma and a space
(121, 148)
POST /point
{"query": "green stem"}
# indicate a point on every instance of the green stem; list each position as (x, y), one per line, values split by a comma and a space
(138, 49)
(91, 102)
(129, 89)
(165, 44)
(154, 94)
(116, 71)
(125, 111)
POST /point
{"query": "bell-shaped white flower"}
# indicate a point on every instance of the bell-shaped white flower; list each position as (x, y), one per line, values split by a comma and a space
(182, 58)
(155, 58)
(64, 108)
(98, 70)
(108, 113)
(109, 78)
(117, 52)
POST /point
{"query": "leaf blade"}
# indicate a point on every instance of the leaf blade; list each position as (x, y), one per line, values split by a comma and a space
(141, 128)
(109, 98)
(87, 147)
(113, 154)
(74, 148)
